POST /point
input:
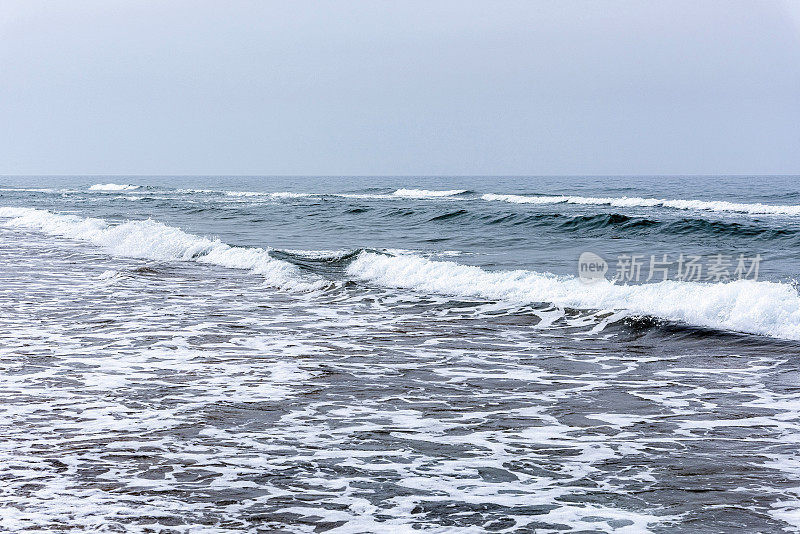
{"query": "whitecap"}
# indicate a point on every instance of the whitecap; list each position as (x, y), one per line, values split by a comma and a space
(113, 187)
(628, 202)
(425, 193)
(755, 307)
(153, 240)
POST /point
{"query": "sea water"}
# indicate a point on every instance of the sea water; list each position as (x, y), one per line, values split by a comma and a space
(396, 354)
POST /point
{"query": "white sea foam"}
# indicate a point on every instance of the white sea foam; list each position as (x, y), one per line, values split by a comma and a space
(627, 202)
(319, 254)
(765, 308)
(279, 194)
(290, 194)
(113, 187)
(154, 240)
(364, 196)
(32, 190)
(400, 193)
(244, 194)
(424, 193)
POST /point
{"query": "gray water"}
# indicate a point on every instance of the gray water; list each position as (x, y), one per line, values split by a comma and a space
(215, 354)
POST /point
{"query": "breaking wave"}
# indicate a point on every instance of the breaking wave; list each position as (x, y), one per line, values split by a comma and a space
(399, 193)
(280, 194)
(113, 187)
(425, 193)
(628, 202)
(153, 240)
(747, 306)
(754, 307)
(720, 206)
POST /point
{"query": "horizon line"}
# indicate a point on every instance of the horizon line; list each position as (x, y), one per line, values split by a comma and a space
(659, 175)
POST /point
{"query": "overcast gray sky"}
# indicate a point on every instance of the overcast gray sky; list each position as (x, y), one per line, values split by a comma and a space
(402, 87)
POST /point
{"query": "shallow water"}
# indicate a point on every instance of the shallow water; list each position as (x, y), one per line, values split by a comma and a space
(357, 357)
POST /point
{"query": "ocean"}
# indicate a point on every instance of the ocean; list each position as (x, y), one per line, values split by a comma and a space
(399, 354)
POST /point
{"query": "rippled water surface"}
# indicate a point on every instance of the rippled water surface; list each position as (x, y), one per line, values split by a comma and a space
(347, 355)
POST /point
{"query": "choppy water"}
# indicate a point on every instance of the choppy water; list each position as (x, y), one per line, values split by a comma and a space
(212, 354)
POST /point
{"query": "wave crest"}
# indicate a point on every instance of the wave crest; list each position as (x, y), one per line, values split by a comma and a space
(157, 241)
(425, 193)
(764, 308)
(628, 202)
(113, 187)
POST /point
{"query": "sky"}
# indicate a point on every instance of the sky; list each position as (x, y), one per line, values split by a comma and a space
(426, 87)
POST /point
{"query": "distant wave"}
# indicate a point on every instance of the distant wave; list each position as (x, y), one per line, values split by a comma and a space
(765, 308)
(289, 194)
(465, 194)
(113, 187)
(281, 194)
(154, 240)
(627, 202)
(609, 223)
(241, 193)
(684, 226)
(32, 190)
(425, 193)
(399, 193)
(363, 195)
